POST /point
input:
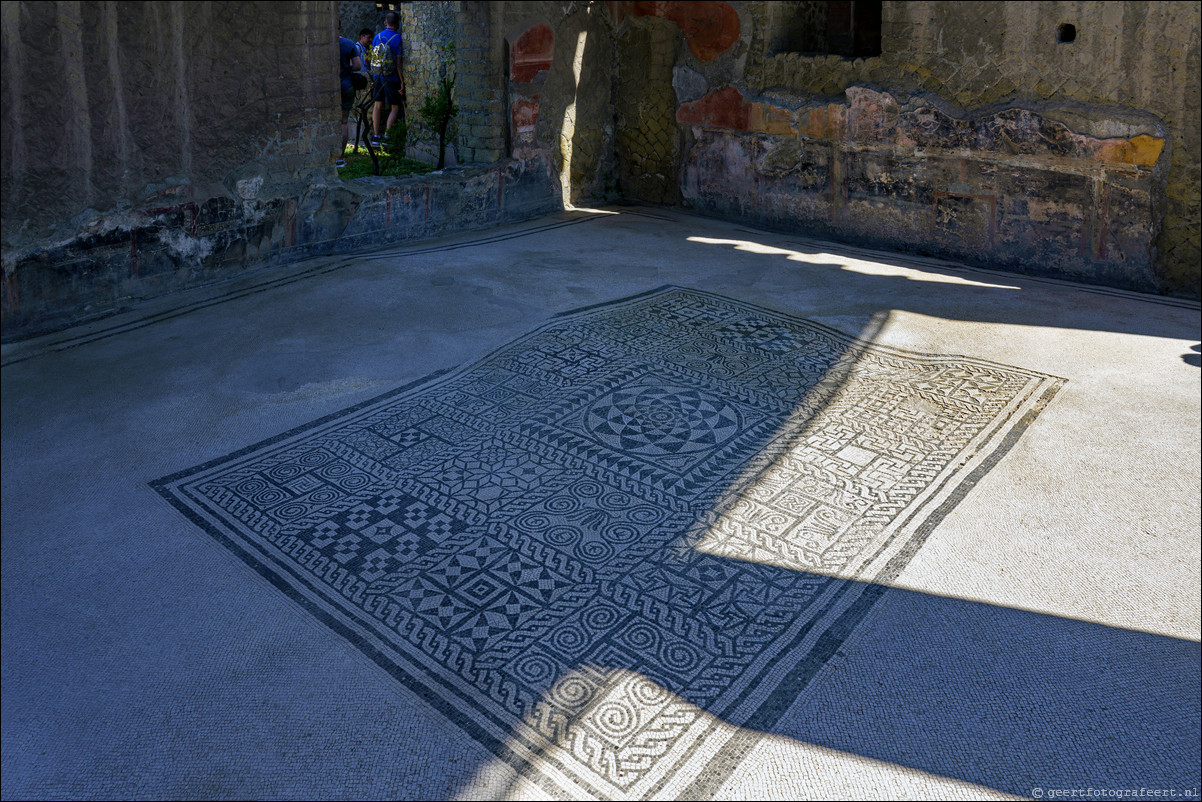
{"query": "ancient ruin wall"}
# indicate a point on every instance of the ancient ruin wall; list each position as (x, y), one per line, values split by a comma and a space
(187, 141)
(429, 32)
(190, 142)
(1131, 70)
(558, 67)
(479, 83)
(647, 142)
(108, 106)
(172, 145)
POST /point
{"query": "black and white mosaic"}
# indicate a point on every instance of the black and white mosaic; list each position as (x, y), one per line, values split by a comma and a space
(636, 521)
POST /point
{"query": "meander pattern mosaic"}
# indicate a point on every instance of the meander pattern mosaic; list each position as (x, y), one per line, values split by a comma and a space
(588, 545)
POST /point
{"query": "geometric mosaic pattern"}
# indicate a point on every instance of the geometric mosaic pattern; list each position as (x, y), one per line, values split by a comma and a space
(638, 514)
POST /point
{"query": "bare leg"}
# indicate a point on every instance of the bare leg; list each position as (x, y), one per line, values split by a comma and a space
(377, 118)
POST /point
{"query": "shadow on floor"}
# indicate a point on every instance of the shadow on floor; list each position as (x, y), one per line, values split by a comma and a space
(992, 695)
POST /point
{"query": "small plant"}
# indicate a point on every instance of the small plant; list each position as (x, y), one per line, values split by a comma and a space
(359, 165)
(395, 140)
(439, 109)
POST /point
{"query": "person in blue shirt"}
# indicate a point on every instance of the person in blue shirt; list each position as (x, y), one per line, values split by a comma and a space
(364, 48)
(388, 84)
(349, 63)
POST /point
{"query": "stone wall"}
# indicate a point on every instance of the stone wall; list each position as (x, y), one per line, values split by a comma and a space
(480, 84)
(355, 15)
(430, 35)
(169, 150)
(783, 137)
(558, 91)
(428, 29)
(982, 131)
(647, 143)
(157, 102)
(188, 142)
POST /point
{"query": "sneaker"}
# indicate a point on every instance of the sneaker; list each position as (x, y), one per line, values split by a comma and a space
(340, 163)
(376, 141)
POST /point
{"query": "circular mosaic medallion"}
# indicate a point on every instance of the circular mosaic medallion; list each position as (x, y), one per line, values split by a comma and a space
(656, 420)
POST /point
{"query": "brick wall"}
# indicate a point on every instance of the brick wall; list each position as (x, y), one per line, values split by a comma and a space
(428, 29)
(480, 84)
(646, 139)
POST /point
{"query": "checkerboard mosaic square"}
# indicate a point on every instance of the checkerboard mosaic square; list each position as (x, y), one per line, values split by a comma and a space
(637, 520)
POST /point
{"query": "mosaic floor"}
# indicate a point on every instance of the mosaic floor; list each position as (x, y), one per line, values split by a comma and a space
(585, 546)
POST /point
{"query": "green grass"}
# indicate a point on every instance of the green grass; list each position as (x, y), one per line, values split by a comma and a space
(358, 164)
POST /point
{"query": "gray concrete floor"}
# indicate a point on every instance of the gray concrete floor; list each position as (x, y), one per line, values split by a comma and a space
(140, 659)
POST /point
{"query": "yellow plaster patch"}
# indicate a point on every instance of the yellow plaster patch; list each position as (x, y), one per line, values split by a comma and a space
(1142, 150)
(771, 119)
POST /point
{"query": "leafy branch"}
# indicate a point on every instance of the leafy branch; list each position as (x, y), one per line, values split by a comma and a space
(439, 109)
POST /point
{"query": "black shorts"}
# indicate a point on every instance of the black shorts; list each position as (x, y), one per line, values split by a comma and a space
(385, 91)
(348, 100)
